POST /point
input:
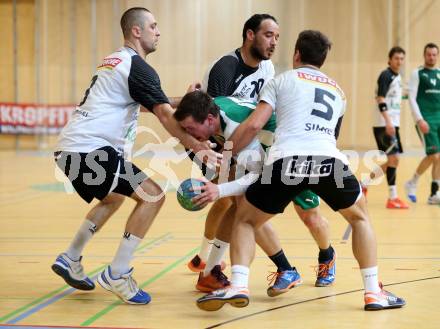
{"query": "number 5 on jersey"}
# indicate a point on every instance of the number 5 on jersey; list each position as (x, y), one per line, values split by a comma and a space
(320, 95)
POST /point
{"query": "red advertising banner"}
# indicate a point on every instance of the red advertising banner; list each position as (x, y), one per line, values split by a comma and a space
(33, 118)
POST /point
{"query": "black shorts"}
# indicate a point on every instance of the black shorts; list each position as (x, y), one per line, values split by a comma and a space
(281, 182)
(96, 174)
(383, 141)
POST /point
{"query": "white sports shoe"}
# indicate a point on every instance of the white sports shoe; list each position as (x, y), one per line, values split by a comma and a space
(411, 190)
(124, 287)
(72, 272)
(236, 296)
(435, 199)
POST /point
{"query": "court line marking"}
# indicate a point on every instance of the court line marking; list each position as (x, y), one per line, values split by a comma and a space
(53, 294)
(167, 269)
(312, 300)
(30, 326)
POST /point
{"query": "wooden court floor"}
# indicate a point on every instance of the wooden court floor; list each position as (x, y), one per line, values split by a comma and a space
(38, 219)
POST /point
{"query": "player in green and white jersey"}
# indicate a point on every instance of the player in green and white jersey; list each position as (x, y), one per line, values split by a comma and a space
(202, 117)
(424, 97)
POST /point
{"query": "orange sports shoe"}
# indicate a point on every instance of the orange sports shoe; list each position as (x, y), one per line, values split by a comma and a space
(396, 204)
(197, 265)
(382, 300)
(215, 280)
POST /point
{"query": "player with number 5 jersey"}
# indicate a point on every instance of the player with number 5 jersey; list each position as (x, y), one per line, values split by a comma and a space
(309, 107)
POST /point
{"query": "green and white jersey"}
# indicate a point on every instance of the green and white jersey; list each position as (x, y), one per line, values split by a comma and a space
(234, 111)
(424, 94)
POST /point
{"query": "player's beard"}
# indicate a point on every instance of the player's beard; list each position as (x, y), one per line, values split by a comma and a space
(257, 54)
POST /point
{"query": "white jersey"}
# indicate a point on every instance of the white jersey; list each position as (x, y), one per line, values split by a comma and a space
(107, 116)
(389, 86)
(308, 105)
(230, 76)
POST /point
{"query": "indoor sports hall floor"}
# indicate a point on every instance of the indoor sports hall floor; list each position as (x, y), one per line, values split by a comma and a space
(38, 219)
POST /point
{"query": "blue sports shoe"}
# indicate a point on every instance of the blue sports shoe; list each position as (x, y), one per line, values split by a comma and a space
(72, 272)
(125, 287)
(284, 281)
(325, 275)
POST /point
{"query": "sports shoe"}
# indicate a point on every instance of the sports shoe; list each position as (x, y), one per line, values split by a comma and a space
(124, 287)
(236, 296)
(198, 265)
(283, 282)
(325, 274)
(411, 190)
(382, 300)
(72, 272)
(396, 204)
(434, 199)
(215, 280)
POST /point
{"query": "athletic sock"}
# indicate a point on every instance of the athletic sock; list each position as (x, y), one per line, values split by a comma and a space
(84, 234)
(326, 255)
(218, 250)
(370, 278)
(121, 262)
(415, 179)
(392, 190)
(281, 262)
(434, 187)
(240, 276)
(391, 176)
(205, 248)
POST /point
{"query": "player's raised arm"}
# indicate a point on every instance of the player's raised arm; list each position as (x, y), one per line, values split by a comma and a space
(249, 128)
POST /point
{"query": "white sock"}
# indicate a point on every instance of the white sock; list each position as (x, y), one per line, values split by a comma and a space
(84, 234)
(392, 191)
(121, 262)
(370, 277)
(366, 181)
(218, 250)
(205, 248)
(240, 276)
(415, 179)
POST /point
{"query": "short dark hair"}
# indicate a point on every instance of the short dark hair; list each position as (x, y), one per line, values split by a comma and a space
(254, 22)
(395, 50)
(132, 17)
(430, 45)
(313, 47)
(197, 104)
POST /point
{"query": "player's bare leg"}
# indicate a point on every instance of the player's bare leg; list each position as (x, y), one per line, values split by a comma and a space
(411, 185)
(211, 278)
(117, 277)
(242, 253)
(68, 264)
(319, 229)
(434, 197)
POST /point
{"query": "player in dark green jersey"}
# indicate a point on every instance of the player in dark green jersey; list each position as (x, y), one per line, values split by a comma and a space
(424, 97)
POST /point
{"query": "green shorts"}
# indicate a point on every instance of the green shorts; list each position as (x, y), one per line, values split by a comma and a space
(307, 200)
(431, 140)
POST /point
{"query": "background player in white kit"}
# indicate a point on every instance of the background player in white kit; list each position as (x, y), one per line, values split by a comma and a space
(309, 108)
(93, 147)
(386, 129)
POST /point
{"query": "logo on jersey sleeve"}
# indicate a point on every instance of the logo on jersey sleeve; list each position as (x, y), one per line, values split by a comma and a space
(109, 63)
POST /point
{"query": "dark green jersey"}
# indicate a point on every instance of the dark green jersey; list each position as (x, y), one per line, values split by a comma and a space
(424, 93)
